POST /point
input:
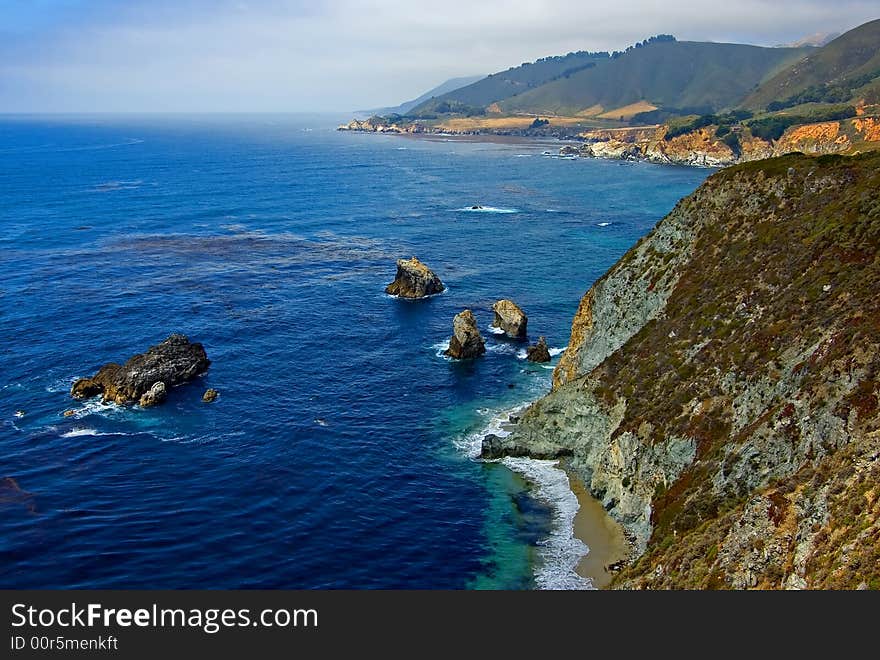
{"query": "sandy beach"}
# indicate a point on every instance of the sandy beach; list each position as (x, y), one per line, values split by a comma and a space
(601, 533)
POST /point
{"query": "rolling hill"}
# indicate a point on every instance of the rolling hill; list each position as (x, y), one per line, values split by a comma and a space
(834, 73)
(689, 76)
(499, 86)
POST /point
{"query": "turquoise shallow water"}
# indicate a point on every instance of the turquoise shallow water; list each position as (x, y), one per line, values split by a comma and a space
(339, 454)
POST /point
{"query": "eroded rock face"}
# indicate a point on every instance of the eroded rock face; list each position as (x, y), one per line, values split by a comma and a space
(539, 352)
(510, 318)
(414, 280)
(466, 341)
(176, 360)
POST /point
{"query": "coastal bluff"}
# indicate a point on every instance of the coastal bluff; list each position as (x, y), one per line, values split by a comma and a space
(719, 394)
(146, 377)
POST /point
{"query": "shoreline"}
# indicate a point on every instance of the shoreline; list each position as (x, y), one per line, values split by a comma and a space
(584, 540)
(599, 532)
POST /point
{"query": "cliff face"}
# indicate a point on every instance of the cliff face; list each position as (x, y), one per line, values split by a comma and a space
(720, 391)
(703, 148)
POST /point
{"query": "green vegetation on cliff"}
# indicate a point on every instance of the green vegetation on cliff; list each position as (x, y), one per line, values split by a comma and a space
(720, 392)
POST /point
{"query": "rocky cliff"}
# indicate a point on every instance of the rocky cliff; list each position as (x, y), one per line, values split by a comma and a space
(703, 147)
(720, 392)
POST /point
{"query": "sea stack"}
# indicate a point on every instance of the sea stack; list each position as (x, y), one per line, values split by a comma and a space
(146, 377)
(466, 341)
(510, 318)
(539, 352)
(414, 280)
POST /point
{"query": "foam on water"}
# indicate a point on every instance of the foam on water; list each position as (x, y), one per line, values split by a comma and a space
(502, 349)
(440, 349)
(487, 209)
(79, 433)
(560, 553)
(602, 224)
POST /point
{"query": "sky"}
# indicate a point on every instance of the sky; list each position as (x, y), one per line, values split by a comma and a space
(338, 55)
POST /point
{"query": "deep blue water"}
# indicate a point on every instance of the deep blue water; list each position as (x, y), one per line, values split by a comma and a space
(332, 458)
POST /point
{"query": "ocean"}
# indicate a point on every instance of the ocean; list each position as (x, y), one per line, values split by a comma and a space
(341, 452)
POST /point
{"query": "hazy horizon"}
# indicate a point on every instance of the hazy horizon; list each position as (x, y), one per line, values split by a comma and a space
(287, 56)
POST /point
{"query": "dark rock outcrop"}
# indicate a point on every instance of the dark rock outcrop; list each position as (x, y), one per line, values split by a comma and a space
(414, 280)
(496, 446)
(510, 318)
(539, 352)
(176, 360)
(210, 395)
(466, 341)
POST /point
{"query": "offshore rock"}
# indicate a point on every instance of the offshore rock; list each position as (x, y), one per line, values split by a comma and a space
(539, 352)
(510, 318)
(210, 395)
(414, 280)
(466, 341)
(176, 360)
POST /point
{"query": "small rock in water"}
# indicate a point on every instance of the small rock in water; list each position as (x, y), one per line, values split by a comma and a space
(510, 386)
(19, 413)
(154, 396)
(466, 341)
(210, 395)
(539, 352)
(320, 421)
(176, 360)
(510, 318)
(69, 413)
(414, 280)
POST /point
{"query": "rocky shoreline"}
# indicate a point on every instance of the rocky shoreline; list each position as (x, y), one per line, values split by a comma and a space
(702, 147)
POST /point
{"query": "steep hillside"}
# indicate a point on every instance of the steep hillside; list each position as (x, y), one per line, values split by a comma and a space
(830, 74)
(499, 86)
(680, 75)
(720, 390)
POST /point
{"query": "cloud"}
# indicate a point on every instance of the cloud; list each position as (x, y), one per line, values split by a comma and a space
(245, 55)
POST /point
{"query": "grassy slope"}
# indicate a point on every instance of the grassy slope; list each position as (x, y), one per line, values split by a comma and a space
(679, 75)
(515, 80)
(854, 53)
